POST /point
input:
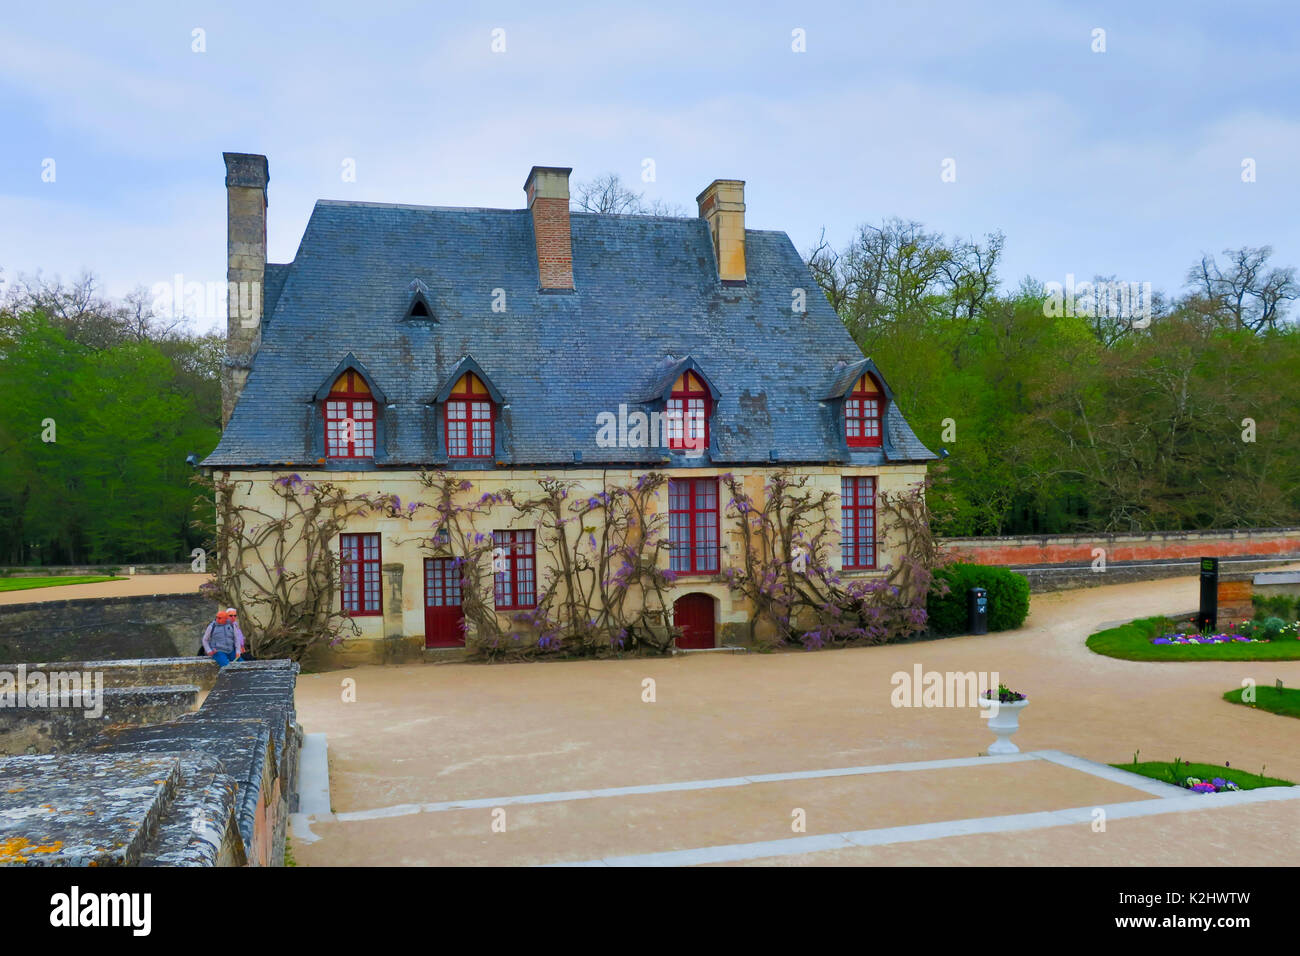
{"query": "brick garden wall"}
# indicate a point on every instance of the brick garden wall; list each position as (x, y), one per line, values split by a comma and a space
(1062, 549)
(1055, 562)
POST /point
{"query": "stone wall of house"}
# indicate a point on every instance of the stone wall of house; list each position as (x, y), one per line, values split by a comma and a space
(158, 625)
(398, 633)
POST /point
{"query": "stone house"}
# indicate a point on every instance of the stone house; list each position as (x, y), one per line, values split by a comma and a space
(512, 344)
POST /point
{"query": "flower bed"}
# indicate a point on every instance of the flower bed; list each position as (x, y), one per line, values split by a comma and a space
(1202, 777)
(1245, 632)
(1139, 641)
(1207, 639)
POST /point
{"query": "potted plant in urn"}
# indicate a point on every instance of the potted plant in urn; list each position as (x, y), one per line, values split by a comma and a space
(1003, 708)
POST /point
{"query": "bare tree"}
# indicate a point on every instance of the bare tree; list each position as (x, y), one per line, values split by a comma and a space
(84, 315)
(1248, 295)
(898, 271)
(607, 194)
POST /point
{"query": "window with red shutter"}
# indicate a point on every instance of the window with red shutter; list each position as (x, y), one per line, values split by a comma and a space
(689, 407)
(350, 418)
(693, 525)
(862, 413)
(470, 420)
(515, 586)
(362, 594)
(858, 523)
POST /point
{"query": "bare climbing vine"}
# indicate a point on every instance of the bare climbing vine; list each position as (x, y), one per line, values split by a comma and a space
(279, 567)
(794, 592)
(604, 590)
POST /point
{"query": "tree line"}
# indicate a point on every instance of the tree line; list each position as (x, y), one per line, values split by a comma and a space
(103, 402)
(1064, 413)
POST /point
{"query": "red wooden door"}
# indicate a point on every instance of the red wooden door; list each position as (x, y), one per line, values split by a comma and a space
(443, 617)
(693, 613)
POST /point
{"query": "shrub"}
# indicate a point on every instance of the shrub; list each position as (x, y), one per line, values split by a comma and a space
(1008, 597)
(1264, 628)
(1275, 605)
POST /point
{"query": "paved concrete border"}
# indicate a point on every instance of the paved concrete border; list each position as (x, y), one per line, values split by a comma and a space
(1129, 779)
(313, 787)
(797, 846)
(565, 796)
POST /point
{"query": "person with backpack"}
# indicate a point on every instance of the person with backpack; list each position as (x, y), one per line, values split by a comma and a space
(223, 641)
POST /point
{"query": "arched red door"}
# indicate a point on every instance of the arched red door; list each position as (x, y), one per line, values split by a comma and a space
(693, 613)
(444, 620)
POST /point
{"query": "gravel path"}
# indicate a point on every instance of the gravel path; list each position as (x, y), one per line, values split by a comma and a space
(423, 733)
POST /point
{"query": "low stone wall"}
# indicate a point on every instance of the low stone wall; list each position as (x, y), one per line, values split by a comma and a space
(65, 723)
(119, 628)
(72, 570)
(1064, 577)
(209, 788)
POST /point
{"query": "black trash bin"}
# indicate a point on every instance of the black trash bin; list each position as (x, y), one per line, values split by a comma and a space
(977, 611)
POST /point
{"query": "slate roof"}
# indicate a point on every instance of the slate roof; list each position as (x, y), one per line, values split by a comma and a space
(647, 298)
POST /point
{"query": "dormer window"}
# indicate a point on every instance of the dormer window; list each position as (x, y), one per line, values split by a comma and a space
(350, 418)
(862, 412)
(470, 419)
(689, 406)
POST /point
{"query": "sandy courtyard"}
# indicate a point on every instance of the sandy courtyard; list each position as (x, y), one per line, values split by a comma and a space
(422, 734)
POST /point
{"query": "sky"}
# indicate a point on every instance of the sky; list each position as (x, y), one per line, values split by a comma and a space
(1123, 161)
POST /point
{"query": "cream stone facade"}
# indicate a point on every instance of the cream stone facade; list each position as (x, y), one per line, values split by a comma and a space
(399, 632)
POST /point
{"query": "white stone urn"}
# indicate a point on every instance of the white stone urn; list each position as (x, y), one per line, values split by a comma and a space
(1003, 720)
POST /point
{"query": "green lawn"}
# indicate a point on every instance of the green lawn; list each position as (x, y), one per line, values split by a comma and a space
(1164, 772)
(1285, 701)
(53, 581)
(1132, 642)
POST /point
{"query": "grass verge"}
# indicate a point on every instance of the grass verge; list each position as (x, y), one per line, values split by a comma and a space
(1132, 642)
(1285, 701)
(1163, 771)
(26, 584)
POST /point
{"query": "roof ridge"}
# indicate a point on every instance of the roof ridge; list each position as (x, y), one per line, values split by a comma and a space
(406, 205)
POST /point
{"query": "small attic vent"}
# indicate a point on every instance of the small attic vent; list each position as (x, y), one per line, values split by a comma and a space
(419, 309)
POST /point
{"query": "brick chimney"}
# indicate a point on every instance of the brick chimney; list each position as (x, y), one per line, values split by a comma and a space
(547, 189)
(246, 179)
(722, 206)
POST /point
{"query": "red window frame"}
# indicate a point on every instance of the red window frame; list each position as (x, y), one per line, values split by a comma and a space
(863, 411)
(694, 529)
(344, 404)
(361, 595)
(858, 550)
(470, 411)
(689, 408)
(515, 588)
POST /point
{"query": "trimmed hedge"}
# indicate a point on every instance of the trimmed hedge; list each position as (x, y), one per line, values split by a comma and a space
(1008, 598)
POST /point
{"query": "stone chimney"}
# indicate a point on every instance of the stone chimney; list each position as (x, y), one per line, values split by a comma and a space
(547, 189)
(722, 206)
(246, 179)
